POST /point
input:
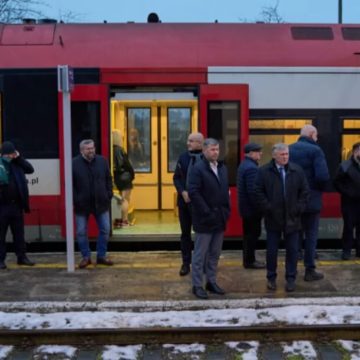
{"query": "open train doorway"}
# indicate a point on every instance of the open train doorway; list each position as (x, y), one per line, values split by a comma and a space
(153, 128)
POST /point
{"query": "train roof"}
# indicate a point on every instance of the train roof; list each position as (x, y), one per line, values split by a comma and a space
(178, 45)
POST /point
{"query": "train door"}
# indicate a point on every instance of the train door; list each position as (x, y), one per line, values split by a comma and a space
(224, 115)
(89, 120)
(154, 133)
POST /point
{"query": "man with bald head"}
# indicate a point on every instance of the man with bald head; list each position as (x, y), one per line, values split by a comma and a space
(308, 154)
(181, 175)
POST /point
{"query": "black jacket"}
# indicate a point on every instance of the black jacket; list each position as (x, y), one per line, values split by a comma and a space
(209, 196)
(180, 174)
(18, 167)
(281, 213)
(92, 185)
(347, 180)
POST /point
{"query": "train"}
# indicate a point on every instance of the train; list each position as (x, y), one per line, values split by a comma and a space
(156, 82)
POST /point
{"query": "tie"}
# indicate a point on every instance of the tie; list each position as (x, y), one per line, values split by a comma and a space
(283, 177)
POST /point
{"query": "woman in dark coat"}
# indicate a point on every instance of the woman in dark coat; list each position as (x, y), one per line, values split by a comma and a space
(123, 177)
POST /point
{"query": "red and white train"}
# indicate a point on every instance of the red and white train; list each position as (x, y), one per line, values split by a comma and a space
(156, 82)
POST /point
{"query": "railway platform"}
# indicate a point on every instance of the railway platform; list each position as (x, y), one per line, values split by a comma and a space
(154, 276)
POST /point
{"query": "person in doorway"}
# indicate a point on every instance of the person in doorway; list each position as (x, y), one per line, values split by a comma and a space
(14, 201)
(181, 175)
(251, 215)
(136, 149)
(123, 177)
(281, 193)
(308, 154)
(92, 188)
(210, 205)
(347, 183)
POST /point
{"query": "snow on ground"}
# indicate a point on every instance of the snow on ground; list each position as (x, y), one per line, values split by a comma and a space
(68, 351)
(247, 349)
(121, 352)
(303, 348)
(351, 346)
(192, 350)
(300, 315)
(5, 351)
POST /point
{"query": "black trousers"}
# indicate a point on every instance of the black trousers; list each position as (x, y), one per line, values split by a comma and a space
(12, 216)
(351, 216)
(186, 243)
(252, 231)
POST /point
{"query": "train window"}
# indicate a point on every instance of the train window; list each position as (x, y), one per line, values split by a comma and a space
(139, 138)
(312, 33)
(351, 33)
(278, 123)
(268, 132)
(179, 128)
(352, 136)
(85, 123)
(223, 125)
(351, 124)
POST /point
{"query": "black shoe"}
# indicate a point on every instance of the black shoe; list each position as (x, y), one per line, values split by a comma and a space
(214, 288)
(199, 292)
(24, 260)
(104, 261)
(290, 286)
(184, 270)
(312, 275)
(2, 265)
(271, 284)
(255, 265)
(346, 255)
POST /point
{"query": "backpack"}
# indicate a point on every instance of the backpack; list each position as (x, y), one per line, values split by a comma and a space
(4, 173)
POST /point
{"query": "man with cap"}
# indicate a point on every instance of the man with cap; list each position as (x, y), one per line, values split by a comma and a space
(14, 201)
(251, 215)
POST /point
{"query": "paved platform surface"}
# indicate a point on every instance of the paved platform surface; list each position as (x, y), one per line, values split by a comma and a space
(154, 276)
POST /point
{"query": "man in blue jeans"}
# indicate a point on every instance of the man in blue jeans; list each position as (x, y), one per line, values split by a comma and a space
(282, 193)
(308, 154)
(92, 187)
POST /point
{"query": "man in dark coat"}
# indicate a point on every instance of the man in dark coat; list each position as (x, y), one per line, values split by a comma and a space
(347, 183)
(251, 216)
(209, 193)
(92, 192)
(14, 201)
(308, 154)
(282, 194)
(194, 145)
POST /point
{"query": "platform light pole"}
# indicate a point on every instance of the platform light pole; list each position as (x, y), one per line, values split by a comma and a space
(340, 12)
(65, 86)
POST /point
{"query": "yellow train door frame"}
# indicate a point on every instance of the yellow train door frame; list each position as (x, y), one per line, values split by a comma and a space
(154, 189)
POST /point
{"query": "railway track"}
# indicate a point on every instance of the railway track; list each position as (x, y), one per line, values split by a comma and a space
(205, 335)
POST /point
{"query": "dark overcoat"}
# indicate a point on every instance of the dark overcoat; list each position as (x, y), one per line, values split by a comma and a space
(281, 213)
(245, 182)
(209, 197)
(308, 154)
(91, 181)
(347, 180)
(18, 167)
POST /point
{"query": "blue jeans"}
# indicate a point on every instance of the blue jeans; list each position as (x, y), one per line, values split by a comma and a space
(272, 246)
(310, 228)
(103, 223)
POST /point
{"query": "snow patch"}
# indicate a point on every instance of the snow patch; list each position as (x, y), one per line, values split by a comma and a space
(121, 352)
(5, 351)
(68, 351)
(303, 348)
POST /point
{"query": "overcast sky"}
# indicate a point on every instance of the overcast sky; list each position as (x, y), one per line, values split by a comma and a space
(300, 11)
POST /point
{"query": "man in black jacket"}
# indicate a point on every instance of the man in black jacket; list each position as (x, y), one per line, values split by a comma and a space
(14, 201)
(282, 193)
(92, 192)
(186, 160)
(209, 194)
(347, 183)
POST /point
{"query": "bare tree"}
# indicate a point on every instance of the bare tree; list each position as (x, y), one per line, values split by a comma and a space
(13, 11)
(270, 14)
